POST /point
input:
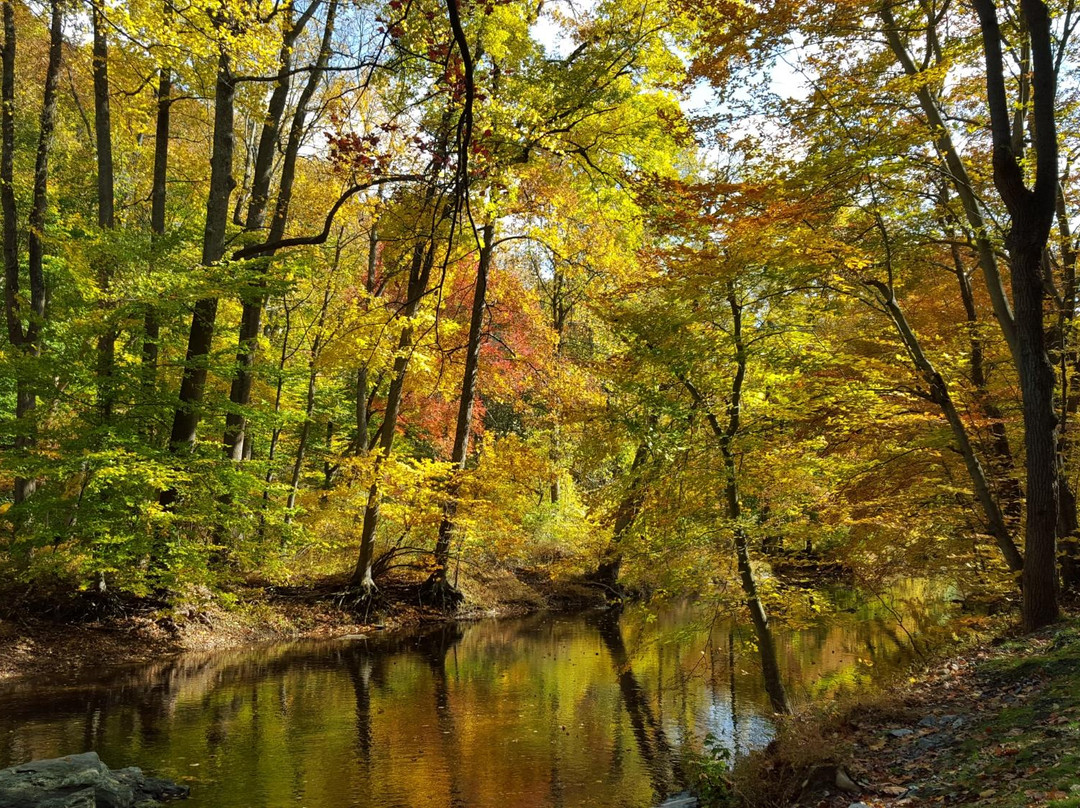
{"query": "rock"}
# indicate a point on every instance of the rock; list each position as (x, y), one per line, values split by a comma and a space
(858, 805)
(82, 781)
(901, 733)
(930, 742)
(845, 783)
(928, 721)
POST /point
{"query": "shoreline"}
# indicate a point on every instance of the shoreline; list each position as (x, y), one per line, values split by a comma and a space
(138, 632)
(993, 723)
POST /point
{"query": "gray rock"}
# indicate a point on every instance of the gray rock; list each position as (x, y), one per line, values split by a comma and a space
(928, 721)
(930, 742)
(858, 805)
(81, 781)
(901, 733)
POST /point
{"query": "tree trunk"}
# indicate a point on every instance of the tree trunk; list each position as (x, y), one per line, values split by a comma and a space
(362, 442)
(106, 346)
(607, 572)
(940, 395)
(309, 407)
(1068, 526)
(1002, 464)
(423, 260)
(251, 318)
(26, 339)
(956, 170)
(1031, 213)
(770, 666)
(420, 272)
(438, 583)
(1040, 437)
(151, 326)
(200, 337)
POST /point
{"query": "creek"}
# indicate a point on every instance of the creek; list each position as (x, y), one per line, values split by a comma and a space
(546, 710)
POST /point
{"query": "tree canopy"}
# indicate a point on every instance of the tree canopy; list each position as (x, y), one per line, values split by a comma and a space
(653, 293)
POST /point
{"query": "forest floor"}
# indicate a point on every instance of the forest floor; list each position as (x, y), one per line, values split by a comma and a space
(997, 726)
(92, 630)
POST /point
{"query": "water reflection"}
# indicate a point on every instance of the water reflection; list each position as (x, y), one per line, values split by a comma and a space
(543, 711)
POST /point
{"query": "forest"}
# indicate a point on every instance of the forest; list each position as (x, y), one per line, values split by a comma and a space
(655, 298)
(630, 290)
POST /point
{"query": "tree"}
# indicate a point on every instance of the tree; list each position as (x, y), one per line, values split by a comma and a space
(1031, 213)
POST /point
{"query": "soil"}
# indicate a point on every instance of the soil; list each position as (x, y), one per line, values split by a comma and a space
(93, 629)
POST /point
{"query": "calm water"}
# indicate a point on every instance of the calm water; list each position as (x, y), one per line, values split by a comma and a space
(550, 710)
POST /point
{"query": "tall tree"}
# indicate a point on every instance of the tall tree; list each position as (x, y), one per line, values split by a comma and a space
(269, 137)
(1031, 215)
(438, 586)
(25, 327)
(201, 334)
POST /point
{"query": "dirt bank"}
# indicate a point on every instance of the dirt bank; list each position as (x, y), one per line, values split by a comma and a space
(93, 630)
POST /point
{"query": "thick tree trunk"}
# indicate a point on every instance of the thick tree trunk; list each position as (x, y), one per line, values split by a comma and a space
(438, 583)
(1031, 213)
(200, 338)
(1040, 437)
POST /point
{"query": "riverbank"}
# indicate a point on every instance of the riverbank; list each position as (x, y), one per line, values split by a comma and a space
(92, 630)
(995, 725)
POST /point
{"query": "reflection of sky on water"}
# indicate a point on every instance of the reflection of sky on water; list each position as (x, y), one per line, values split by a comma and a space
(542, 711)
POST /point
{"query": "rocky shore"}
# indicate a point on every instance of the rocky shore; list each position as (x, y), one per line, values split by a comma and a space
(82, 781)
